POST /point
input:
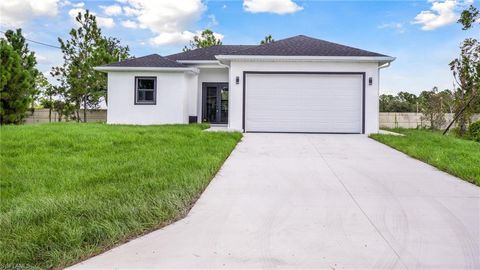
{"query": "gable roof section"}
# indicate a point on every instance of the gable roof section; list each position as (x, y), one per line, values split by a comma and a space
(304, 46)
(152, 61)
(206, 54)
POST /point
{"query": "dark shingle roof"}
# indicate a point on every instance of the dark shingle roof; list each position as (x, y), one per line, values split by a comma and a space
(209, 52)
(294, 46)
(304, 46)
(152, 60)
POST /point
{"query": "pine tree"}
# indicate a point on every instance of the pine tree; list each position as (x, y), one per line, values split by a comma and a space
(86, 49)
(15, 85)
(28, 60)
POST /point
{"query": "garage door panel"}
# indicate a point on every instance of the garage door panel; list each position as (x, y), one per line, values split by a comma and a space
(303, 103)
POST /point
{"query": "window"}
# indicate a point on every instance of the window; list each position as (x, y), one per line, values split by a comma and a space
(145, 90)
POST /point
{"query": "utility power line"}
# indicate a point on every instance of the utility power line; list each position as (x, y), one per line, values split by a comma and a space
(38, 42)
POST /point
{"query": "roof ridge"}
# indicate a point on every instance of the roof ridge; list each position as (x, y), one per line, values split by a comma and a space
(305, 45)
(334, 43)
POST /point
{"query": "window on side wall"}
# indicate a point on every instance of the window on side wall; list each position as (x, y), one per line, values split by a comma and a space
(145, 90)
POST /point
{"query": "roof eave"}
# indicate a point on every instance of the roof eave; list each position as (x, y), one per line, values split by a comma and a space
(198, 61)
(160, 69)
(381, 59)
(202, 63)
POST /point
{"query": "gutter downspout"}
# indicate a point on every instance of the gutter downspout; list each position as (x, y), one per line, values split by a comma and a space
(386, 65)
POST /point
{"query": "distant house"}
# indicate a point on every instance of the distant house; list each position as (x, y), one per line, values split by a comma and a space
(298, 84)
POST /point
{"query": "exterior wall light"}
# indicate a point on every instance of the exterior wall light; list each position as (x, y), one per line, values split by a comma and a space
(370, 80)
(237, 80)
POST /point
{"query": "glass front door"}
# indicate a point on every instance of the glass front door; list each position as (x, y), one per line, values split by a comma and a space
(215, 103)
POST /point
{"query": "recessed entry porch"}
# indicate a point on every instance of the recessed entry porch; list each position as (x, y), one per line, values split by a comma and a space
(215, 103)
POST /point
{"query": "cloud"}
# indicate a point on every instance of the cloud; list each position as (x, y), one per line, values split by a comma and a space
(166, 16)
(212, 20)
(67, 3)
(79, 4)
(171, 21)
(129, 24)
(172, 38)
(15, 13)
(440, 14)
(399, 27)
(128, 11)
(176, 38)
(271, 6)
(41, 59)
(113, 10)
(105, 22)
(101, 21)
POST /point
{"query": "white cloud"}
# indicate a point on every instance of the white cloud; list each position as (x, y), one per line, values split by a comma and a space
(79, 4)
(440, 14)
(101, 21)
(74, 12)
(129, 24)
(172, 38)
(15, 13)
(41, 59)
(271, 6)
(171, 21)
(67, 3)
(105, 22)
(167, 16)
(177, 38)
(113, 10)
(212, 20)
(128, 11)
(394, 25)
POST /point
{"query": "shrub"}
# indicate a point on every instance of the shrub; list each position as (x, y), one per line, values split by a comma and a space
(474, 131)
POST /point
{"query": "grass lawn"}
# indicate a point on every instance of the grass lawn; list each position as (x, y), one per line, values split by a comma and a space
(453, 155)
(69, 191)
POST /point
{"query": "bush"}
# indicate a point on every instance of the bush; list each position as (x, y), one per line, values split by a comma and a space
(474, 131)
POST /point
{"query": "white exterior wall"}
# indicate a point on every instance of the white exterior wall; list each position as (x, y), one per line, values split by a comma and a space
(192, 93)
(214, 75)
(237, 68)
(172, 99)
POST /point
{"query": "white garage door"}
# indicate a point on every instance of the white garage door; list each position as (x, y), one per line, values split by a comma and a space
(304, 103)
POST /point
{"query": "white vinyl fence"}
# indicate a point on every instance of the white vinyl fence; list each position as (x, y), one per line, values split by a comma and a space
(411, 120)
(41, 116)
(387, 120)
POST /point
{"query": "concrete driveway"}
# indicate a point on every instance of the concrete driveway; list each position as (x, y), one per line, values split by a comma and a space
(317, 201)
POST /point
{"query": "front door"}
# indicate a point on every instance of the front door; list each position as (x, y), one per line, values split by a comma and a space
(215, 103)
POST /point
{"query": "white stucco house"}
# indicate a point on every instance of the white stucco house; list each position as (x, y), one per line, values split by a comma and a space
(298, 84)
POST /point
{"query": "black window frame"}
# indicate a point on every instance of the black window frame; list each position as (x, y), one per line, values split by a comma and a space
(154, 102)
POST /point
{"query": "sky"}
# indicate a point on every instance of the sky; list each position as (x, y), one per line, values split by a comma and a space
(422, 35)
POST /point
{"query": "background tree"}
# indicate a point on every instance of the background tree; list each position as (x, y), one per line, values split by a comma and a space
(86, 49)
(448, 101)
(28, 60)
(111, 51)
(410, 100)
(267, 39)
(431, 108)
(466, 71)
(402, 102)
(206, 39)
(469, 17)
(46, 93)
(15, 85)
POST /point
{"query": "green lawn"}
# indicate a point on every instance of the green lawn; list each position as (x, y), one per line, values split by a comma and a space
(69, 191)
(453, 155)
